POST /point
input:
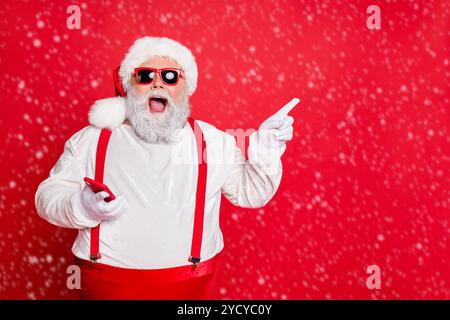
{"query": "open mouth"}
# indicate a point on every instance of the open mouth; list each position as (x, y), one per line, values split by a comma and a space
(157, 104)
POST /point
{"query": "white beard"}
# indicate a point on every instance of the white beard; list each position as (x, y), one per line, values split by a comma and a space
(160, 128)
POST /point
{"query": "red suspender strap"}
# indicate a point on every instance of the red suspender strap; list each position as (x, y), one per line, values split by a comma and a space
(200, 194)
(100, 157)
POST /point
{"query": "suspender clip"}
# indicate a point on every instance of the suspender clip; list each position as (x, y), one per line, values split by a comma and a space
(194, 260)
(95, 257)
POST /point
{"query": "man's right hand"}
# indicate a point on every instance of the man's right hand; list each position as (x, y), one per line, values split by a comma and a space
(95, 207)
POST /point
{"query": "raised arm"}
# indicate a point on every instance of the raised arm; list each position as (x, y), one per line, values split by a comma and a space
(252, 183)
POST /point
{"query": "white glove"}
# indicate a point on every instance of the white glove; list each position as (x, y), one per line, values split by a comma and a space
(276, 130)
(97, 208)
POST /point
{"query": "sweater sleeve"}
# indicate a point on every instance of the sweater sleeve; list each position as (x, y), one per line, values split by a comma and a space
(252, 183)
(57, 198)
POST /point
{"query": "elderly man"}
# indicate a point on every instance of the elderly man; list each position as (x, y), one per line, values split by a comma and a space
(155, 234)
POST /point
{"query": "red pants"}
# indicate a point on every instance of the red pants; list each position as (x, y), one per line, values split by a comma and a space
(100, 281)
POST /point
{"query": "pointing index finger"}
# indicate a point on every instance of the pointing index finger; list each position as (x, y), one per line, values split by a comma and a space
(286, 109)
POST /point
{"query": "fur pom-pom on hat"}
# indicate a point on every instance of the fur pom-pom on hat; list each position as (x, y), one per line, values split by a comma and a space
(108, 113)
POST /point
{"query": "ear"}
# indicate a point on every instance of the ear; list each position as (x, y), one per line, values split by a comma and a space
(108, 113)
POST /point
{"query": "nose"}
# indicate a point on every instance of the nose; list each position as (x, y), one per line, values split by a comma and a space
(157, 83)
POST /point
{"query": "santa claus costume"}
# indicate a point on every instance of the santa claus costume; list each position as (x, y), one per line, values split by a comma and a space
(167, 244)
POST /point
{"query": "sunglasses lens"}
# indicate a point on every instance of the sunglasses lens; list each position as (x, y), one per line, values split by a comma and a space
(170, 76)
(145, 76)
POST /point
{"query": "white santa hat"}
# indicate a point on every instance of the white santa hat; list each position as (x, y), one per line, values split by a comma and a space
(111, 112)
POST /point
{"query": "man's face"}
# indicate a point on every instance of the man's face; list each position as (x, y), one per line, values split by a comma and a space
(175, 92)
(157, 110)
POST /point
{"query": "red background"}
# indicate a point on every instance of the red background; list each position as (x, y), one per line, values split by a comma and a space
(366, 177)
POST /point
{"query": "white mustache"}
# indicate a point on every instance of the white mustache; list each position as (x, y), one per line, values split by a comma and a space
(144, 100)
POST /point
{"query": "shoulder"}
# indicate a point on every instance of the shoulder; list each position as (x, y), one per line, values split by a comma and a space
(216, 139)
(83, 138)
(212, 133)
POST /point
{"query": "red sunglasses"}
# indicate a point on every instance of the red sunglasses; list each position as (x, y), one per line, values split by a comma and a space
(145, 76)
